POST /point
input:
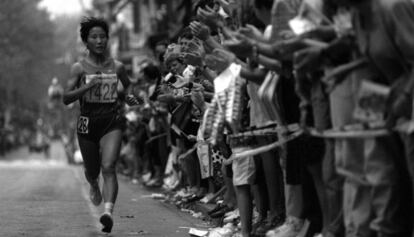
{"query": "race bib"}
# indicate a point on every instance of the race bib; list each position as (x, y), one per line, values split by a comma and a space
(83, 124)
(104, 92)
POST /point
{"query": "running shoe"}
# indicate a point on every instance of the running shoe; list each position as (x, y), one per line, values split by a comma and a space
(95, 194)
(232, 216)
(107, 222)
(268, 224)
(293, 227)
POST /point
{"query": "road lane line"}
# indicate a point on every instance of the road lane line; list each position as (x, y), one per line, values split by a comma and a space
(85, 194)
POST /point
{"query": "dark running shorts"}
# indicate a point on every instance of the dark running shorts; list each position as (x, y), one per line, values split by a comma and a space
(94, 128)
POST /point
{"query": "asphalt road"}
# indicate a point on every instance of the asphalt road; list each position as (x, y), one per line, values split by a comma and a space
(48, 198)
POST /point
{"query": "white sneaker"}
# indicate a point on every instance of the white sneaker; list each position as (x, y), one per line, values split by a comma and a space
(256, 216)
(281, 228)
(225, 231)
(237, 234)
(146, 177)
(232, 213)
(232, 216)
(183, 193)
(291, 228)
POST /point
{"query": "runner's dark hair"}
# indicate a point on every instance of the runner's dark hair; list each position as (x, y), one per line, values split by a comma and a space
(263, 4)
(88, 23)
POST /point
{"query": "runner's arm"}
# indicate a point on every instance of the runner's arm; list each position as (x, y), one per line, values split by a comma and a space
(72, 91)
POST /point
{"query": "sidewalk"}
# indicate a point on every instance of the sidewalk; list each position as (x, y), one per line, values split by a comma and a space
(137, 213)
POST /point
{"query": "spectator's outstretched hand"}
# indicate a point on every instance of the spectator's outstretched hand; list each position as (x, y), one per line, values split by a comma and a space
(229, 6)
(210, 17)
(193, 59)
(286, 34)
(200, 30)
(219, 60)
(239, 46)
(132, 100)
(229, 56)
(324, 33)
(251, 31)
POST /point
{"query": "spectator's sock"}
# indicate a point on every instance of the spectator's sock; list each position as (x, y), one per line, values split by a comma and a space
(109, 208)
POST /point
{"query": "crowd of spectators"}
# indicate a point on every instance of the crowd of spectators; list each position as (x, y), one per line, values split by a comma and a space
(295, 114)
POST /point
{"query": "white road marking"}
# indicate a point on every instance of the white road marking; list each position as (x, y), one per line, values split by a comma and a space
(32, 164)
(85, 193)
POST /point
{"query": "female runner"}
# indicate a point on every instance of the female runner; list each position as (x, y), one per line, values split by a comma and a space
(97, 82)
